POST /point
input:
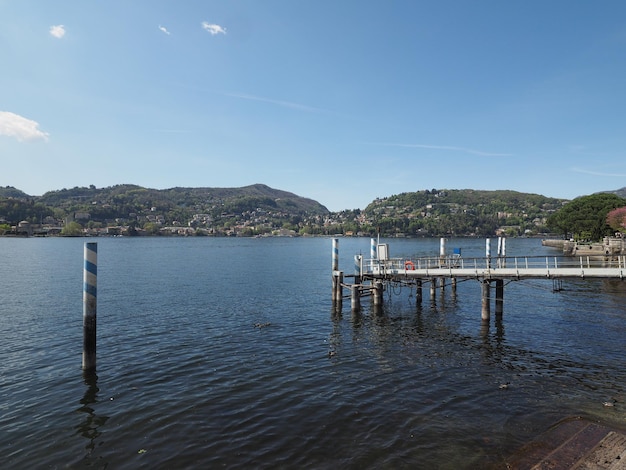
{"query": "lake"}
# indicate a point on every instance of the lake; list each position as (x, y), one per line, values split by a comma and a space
(214, 353)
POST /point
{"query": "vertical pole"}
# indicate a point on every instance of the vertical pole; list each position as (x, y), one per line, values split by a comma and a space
(335, 268)
(418, 291)
(338, 286)
(335, 254)
(488, 251)
(486, 312)
(90, 280)
(499, 297)
(355, 298)
(358, 266)
(442, 251)
(504, 252)
(433, 288)
(378, 294)
(373, 248)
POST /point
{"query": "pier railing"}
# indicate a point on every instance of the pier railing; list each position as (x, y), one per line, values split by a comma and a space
(510, 266)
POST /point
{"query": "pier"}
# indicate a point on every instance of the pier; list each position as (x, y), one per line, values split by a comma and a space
(373, 275)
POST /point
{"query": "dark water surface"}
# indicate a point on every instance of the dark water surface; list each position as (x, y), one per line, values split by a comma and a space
(186, 380)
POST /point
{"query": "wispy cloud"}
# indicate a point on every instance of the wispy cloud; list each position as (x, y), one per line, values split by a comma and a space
(213, 28)
(451, 148)
(597, 173)
(58, 31)
(286, 104)
(164, 29)
(14, 125)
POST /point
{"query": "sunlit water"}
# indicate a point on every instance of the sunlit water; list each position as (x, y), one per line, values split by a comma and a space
(186, 378)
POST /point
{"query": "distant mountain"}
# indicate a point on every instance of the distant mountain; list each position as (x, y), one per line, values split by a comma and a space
(619, 192)
(247, 198)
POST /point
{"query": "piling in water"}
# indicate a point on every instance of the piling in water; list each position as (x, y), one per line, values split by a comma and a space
(90, 278)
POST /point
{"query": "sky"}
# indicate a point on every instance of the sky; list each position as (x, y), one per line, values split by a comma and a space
(338, 101)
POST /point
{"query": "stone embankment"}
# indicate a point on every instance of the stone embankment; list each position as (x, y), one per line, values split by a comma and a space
(610, 246)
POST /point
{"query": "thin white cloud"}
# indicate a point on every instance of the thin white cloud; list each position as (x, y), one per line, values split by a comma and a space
(58, 31)
(597, 173)
(164, 29)
(449, 147)
(286, 104)
(14, 125)
(213, 28)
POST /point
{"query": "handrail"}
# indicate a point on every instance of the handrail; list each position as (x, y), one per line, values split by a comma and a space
(495, 263)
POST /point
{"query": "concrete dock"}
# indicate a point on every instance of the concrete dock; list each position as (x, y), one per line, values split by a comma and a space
(576, 444)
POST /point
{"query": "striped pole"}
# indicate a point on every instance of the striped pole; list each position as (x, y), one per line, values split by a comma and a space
(358, 266)
(488, 251)
(373, 248)
(90, 280)
(335, 254)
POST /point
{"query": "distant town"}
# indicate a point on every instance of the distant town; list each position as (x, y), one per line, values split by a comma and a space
(260, 211)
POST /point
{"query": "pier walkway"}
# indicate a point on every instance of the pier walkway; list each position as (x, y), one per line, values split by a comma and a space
(527, 267)
(372, 276)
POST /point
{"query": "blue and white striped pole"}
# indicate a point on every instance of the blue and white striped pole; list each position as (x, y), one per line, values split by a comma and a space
(373, 248)
(335, 254)
(90, 281)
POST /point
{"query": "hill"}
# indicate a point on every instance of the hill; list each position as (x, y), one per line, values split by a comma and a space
(258, 207)
(455, 212)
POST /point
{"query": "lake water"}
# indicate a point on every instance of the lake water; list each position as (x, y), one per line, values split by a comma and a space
(187, 379)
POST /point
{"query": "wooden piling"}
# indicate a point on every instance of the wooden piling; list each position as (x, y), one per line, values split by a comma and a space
(486, 311)
(433, 288)
(378, 294)
(90, 280)
(499, 297)
(338, 286)
(355, 297)
(418, 291)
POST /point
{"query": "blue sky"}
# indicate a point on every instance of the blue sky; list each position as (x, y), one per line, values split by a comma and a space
(339, 101)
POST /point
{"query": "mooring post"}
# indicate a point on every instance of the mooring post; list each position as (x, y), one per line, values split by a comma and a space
(418, 291)
(335, 268)
(373, 248)
(433, 288)
(378, 294)
(499, 297)
(90, 280)
(488, 252)
(486, 311)
(358, 268)
(355, 297)
(338, 286)
(442, 251)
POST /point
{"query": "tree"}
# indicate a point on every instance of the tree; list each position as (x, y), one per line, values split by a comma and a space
(616, 219)
(73, 229)
(586, 217)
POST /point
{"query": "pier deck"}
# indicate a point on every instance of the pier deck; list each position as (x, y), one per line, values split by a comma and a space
(527, 267)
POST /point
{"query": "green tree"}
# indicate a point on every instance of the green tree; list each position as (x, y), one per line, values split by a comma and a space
(73, 229)
(586, 217)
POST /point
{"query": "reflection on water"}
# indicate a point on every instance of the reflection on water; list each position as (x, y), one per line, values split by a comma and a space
(90, 427)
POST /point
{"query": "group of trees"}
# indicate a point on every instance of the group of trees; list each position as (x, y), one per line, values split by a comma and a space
(590, 217)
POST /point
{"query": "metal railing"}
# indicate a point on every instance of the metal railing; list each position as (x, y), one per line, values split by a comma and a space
(493, 263)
